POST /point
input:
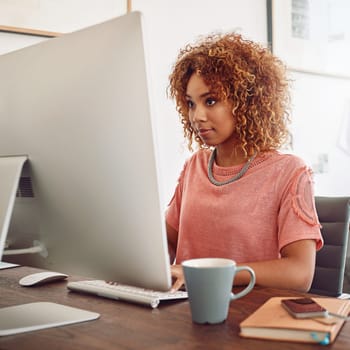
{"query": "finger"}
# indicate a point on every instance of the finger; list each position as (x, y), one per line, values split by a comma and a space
(177, 285)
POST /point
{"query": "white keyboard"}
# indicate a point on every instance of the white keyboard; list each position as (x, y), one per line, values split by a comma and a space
(125, 292)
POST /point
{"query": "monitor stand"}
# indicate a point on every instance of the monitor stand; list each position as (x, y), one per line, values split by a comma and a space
(10, 172)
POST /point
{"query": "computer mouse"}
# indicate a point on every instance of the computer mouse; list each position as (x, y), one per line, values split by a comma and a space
(41, 278)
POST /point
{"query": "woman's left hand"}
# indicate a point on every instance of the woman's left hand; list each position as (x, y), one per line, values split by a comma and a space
(178, 276)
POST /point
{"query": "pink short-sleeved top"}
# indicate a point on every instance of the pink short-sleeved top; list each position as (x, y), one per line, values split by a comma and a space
(248, 220)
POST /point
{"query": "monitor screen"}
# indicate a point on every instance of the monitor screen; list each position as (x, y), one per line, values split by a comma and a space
(78, 107)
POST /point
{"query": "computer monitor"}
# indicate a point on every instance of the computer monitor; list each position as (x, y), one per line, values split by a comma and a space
(78, 107)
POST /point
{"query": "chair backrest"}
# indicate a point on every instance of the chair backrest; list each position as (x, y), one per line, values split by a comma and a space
(334, 216)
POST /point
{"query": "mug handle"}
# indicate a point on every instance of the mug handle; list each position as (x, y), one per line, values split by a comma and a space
(249, 287)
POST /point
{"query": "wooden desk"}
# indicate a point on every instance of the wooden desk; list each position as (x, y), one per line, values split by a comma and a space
(128, 326)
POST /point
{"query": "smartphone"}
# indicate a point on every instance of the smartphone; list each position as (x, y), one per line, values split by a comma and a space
(304, 308)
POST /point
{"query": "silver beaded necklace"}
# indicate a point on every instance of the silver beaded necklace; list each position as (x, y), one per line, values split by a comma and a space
(235, 178)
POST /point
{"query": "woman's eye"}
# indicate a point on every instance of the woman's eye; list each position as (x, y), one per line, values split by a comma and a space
(189, 104)
(210, 101)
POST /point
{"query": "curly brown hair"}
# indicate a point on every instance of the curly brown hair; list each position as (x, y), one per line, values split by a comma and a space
(246, 74)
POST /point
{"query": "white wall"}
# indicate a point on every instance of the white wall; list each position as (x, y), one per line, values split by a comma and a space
(62, 16)
(321, 126)
(319, 103)
(58, 15)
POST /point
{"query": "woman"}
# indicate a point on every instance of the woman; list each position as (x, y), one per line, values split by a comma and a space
(238, 196)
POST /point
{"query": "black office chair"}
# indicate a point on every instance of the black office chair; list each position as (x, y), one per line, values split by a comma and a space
(334, 216)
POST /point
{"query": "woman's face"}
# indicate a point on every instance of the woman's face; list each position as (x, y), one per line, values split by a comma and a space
(211, 118)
